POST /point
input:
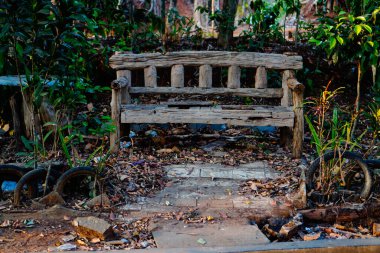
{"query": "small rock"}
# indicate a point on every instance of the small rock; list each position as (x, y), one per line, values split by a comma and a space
(52, 199)
(131, 187)
(66, 247)
(93, 227)
(201, 241)
(376, 229)
(100, 200)
(68, 238)
(144, 244)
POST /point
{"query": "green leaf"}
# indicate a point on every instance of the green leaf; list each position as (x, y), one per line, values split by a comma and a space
(314, 134)
(357, 29)
(367, 27)
(339, 39)
(371, 43)
(19, 50)
(332, 43)
(317, 42)
(361, 18)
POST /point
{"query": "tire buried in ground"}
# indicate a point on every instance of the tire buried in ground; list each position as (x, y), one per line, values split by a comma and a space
(31, 180)
(74, 178)
(10, 173)
(353, 163)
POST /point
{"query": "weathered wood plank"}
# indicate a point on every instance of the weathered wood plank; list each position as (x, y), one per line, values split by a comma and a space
(214, 58)
(150, 76)
(261, 80)
(245, 92)
(162, 114)
(233, 81)
(226, 108)
(178, 76)
(298, 129)
(205, 76)
(286, 100)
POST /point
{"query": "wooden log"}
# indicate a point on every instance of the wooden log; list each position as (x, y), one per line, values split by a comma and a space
(244, 92)
(213, 58)
(344, 213)
(298, 129)
(233, 77)
(205, 76)
(150, 76)
(178, 76)
(261, 81)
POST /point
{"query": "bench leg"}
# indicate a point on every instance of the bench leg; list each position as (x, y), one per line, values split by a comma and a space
(298, 129)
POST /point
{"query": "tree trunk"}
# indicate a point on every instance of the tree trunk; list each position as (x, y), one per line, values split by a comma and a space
(16, 117)
(226, 27)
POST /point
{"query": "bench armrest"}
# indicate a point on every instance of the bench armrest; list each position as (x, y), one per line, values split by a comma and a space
(119, 83)
(295, 86)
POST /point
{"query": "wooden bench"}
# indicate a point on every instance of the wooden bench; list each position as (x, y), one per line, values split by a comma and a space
(287, 115)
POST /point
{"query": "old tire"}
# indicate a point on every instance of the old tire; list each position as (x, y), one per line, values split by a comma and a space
(72, 174)
(354, 165)
(11, 173)
(31, 180)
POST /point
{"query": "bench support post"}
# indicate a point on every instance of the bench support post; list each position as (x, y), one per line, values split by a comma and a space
(286, 101)
(298, 129)
(120, 96)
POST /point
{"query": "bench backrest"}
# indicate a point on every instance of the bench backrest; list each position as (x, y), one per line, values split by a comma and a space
(206, 60)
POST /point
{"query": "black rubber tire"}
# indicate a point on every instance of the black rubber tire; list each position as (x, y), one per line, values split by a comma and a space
(314, 168)
(30, 179)
(72, 173)
(11, 173)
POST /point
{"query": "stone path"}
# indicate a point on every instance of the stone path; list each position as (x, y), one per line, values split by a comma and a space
(213, 190)
(205, 186)
(206, 235)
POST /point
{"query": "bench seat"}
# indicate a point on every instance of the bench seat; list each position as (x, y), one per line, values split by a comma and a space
(221, 114)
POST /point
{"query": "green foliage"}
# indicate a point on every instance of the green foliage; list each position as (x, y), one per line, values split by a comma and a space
(329, 126)
(348, 38)
(263, 24)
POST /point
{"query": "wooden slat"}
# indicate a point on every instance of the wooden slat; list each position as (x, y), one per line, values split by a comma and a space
(245, 92)
(150, 76)
(233, 81)
(214, 58)
(162, 114)
(205, 76)
(178, 76)
(261, 80)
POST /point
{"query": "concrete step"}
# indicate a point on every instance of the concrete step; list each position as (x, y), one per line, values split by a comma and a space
(206, 235)
(255, 170)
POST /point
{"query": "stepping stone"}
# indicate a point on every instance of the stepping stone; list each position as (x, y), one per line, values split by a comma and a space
(174, 234)
(258, 170)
